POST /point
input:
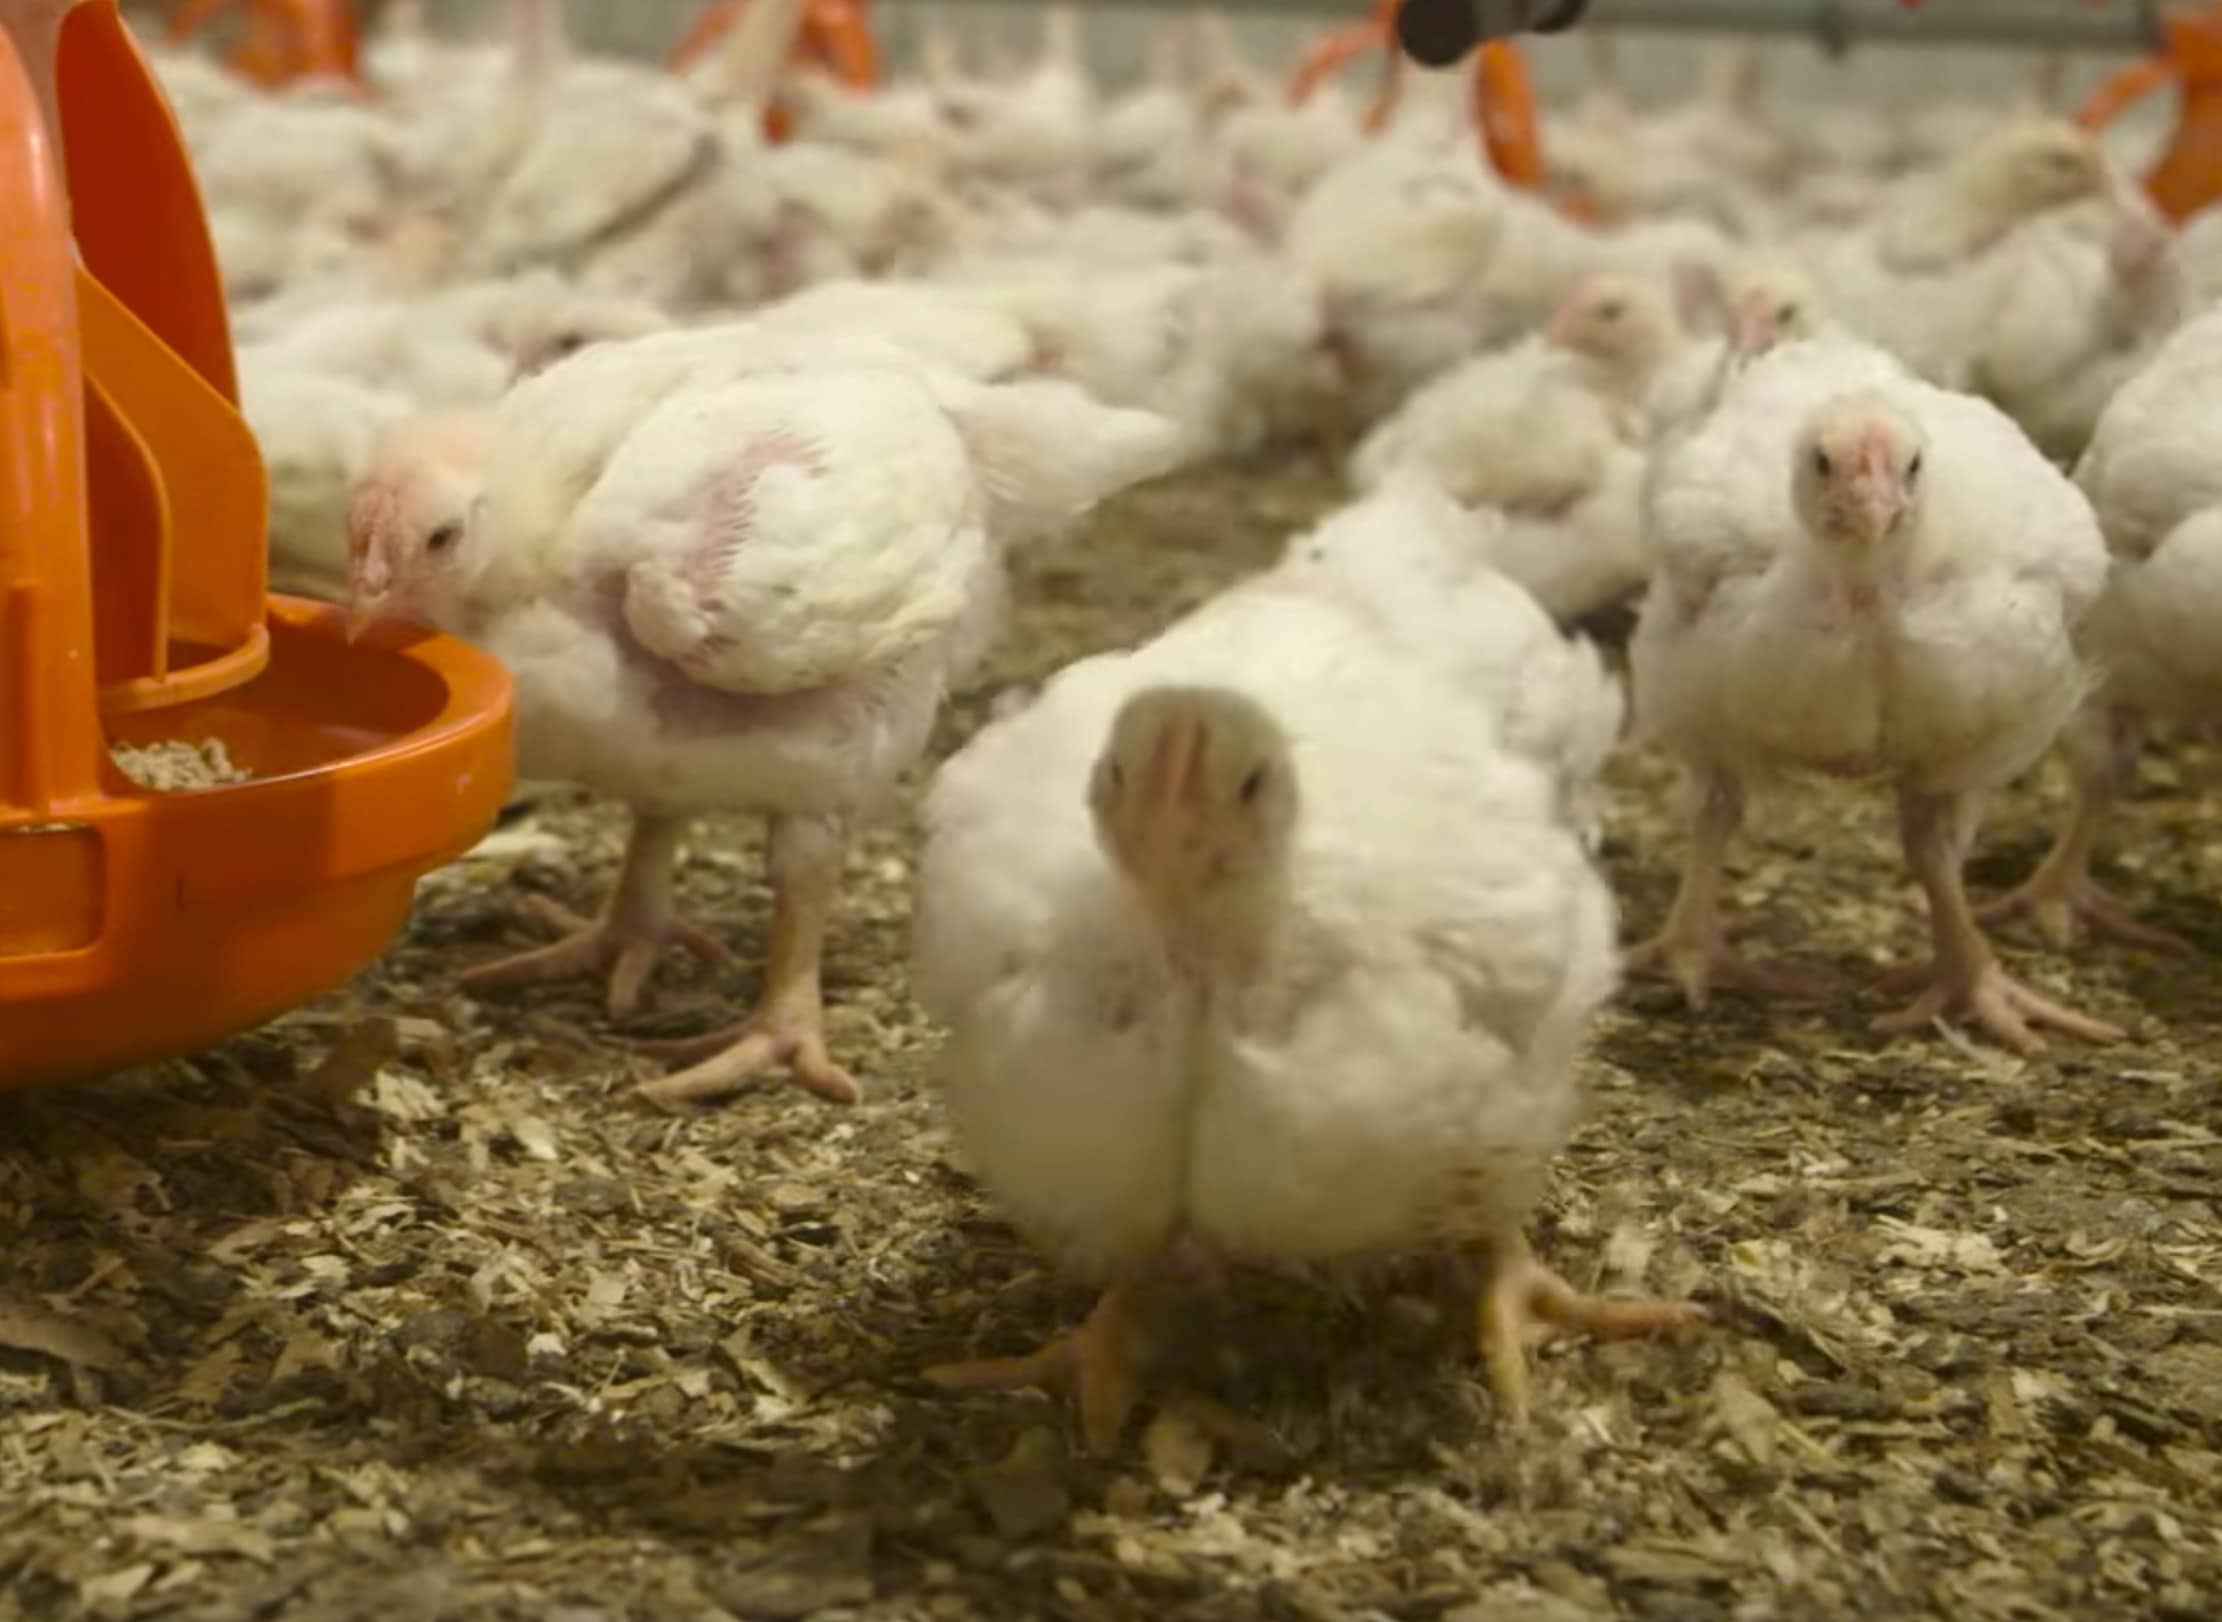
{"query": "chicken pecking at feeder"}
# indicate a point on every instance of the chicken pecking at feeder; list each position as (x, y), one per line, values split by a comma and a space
(139, 922)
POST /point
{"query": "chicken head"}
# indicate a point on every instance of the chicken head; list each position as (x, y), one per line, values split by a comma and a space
(411, 522)
(1194, 796)
(1624, 323)
(1856, 478)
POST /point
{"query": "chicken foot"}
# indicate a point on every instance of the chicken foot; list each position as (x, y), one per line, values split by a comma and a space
(635, 930)
(1691, 949)
(1520, 1294)
(788, 1026)
(2060, 897)
(1095, 1363)
(1965, 979)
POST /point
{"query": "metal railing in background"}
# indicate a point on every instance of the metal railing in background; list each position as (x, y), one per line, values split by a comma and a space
(2123, 27)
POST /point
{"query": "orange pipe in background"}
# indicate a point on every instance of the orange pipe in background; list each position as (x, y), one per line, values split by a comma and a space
(284, 40)
(836, 35)
(2188, 174)
(1504, 101)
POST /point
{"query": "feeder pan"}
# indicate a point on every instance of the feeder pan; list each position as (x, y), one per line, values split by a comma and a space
(136, 924)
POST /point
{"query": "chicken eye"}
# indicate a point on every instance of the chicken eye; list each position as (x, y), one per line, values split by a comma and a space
(1913, 468)
(1252, 785)
(1117, 777)
(1786, 313)
(1609, 310)
(443, 537)
(1821, 463)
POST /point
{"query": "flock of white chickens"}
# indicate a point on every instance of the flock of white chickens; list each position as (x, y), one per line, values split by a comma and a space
(1273, 939)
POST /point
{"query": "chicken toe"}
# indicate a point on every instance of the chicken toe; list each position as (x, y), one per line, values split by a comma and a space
(1519, 1294)
(628, 939)
(1965, 979)
(1691, 949)
(787, 1030)
(1095, 1362)
(2000, 1005)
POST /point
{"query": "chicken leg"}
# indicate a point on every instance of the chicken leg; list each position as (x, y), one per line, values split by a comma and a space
(631, 935)
(1095, 1362)
(1518, 1293)
(1965, 978)
(788, 1026)
(2061, 896)
(1691, 949)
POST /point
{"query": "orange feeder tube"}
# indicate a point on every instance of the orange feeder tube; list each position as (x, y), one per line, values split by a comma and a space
(284, 40)
(1504, 100)
(2188, 174)
(136, 924)
(835, 35)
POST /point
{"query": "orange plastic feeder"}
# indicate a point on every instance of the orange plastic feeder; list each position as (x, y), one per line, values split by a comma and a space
(136, 924)
(284, 40)
(2188, 174)
(835, 35)
(1504, 97)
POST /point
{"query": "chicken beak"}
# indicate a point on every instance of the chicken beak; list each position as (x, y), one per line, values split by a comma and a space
(1158, 839)
(1754, 331)
(362, 613)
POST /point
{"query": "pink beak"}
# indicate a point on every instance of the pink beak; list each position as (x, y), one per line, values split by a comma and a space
(1755, 327)
(1877, 501)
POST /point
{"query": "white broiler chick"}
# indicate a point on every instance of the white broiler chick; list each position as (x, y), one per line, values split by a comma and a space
(729, 571)
(1862, 575)
(950, 326)
(1911, 281)
(2075, 303)
(1529, 429)
(1034, 134)
(1765, 303)
(1417, 567)
(1235, 963)
(2154, 473)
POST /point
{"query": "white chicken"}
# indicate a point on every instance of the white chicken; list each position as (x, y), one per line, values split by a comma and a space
(1418, 567)
(729, 570)
(1528, 429)
(1865, 576)
(1916, 279)
(1552, 434)
(2154, 473)
(1200, 1000)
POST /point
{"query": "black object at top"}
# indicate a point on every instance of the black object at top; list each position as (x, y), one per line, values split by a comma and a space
(1436, 33)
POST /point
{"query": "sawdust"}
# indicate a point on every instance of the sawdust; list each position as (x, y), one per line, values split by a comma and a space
(175, 766)
(403, 1308)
